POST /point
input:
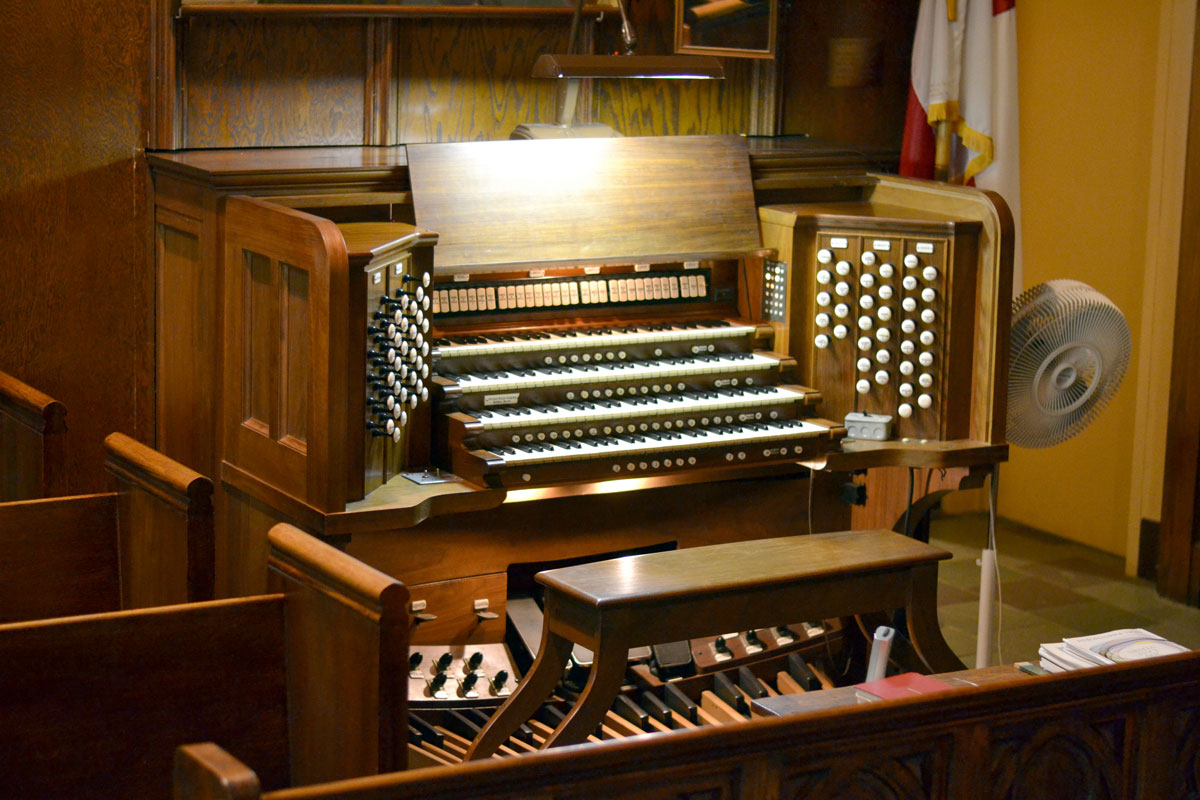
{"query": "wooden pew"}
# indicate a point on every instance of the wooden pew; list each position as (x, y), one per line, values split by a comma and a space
(33, 434)
(1128, 731)
(148, 542)
(308, 682)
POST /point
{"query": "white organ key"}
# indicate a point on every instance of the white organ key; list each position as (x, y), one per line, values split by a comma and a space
(615, 410)
(690, 439)
(619, 372)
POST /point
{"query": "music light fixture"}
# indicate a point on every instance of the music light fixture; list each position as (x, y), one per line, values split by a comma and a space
(574, 67)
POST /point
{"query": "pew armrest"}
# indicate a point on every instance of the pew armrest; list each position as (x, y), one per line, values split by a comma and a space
(206, 772)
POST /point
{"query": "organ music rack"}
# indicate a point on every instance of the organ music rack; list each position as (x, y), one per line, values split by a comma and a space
(289, 277)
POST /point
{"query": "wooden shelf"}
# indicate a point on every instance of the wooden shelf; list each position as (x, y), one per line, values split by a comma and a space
(309, 10)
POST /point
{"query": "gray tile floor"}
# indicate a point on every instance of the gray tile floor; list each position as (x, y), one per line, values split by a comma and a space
(1049, 588)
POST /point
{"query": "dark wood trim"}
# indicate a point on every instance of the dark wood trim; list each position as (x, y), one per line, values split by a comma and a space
(1178, 573)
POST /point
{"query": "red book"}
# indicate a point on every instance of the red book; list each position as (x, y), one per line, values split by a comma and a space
(906, 684)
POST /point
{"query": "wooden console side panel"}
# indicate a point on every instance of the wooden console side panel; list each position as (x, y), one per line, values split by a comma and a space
(286, 305)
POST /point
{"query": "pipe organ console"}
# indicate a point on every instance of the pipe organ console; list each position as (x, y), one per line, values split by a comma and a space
(455, 359)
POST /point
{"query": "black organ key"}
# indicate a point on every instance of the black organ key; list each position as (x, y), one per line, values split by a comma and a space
(748, 682)
(680, 703)
(799, 671)
(727, 691)
(632, 712)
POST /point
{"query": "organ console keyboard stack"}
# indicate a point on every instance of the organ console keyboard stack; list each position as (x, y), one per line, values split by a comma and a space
(455, 358)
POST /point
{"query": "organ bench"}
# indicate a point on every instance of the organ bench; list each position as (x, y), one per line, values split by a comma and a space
(612, 606)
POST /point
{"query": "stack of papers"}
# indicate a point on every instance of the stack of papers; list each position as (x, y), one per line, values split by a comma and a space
(1126, 644)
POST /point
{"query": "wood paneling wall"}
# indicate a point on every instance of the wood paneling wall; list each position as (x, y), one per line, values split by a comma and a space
(76, 303)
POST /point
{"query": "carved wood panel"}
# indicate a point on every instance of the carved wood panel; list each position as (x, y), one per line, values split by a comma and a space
(890, 774)
(1074, 758)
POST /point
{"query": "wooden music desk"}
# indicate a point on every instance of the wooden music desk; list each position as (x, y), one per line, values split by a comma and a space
(611, 606)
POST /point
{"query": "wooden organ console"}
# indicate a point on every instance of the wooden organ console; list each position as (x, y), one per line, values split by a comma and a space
(456, 361)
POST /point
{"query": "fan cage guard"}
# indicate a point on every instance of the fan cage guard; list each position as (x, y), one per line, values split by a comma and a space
(1070, 348)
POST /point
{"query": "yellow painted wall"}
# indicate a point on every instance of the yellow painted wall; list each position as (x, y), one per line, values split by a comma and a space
(1087, 73)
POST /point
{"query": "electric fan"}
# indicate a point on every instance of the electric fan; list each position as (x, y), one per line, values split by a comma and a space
(1068, 351)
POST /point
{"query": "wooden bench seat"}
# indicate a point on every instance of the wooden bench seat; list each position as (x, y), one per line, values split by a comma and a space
(309, 683)
(148, 542)
(611, 606)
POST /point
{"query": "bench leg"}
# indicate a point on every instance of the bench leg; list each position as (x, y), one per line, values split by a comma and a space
(603, 683)
(543, 676)
(923, 629)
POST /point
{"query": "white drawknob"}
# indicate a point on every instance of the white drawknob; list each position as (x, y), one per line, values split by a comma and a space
(842, 289)
(928, 316)
(883, 334)
(908, 304)
(840, 331)
(909, 282)
(883, 356)
(906, 368)
(865, 322)
(926, 359)
(864, 364)
(866, 301)
(925, 379)
(885, 292)
(824, 298)
(927, 338)
(905, 410)
(907, 347)
(881, 377)
(841, 310)
(822, 341)
(924, 401)
(868, 258)
(824, 276)
(864, 343)
(824, 256)
(822, 319)
(928, 294)
(929, 273)
(866, 280)
(908, 326)
(842, 267)
(906, 390)
(886, 270)
(911, 260)
(863, 386)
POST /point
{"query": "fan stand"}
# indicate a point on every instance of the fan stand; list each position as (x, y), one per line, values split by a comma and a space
(987, 579)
